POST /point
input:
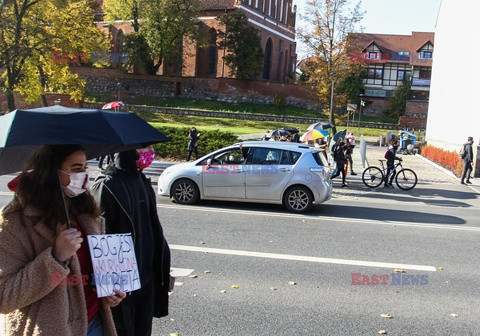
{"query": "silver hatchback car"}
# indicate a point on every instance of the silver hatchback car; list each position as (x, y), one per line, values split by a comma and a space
(292, 174)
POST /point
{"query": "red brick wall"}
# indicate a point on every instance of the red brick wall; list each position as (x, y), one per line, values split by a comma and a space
(20, 103)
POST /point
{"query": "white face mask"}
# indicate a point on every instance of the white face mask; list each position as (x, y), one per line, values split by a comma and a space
(78, 184)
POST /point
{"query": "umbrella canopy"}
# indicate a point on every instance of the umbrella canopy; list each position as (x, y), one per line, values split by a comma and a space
(320, 125)
(313, 135)
(292, 130)
(113, 105)
(101, 132)
(340, 135)
(278, 133)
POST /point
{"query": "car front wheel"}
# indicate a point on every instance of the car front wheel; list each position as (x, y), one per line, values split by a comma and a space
(298, 199)
(185, 192)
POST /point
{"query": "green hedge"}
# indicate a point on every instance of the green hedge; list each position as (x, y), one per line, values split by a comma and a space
(209, 141)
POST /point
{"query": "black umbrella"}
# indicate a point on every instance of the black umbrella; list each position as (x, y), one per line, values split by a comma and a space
(278, 133)
(101, 132)
(320, 125)
(292, 130)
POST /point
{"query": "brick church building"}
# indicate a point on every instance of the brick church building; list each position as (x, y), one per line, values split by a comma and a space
(274, 20)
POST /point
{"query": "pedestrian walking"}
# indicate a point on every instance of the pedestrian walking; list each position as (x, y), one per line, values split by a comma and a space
(340, 160)
(128, 203)
(467, 157)
(350, 145)
(192, 143)
(390, 155)
(45, 267)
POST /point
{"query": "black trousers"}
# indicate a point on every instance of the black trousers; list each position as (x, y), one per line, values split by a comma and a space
(340, 170)
(195, 150)
(133, 317)
(467, 170)
(389, 169)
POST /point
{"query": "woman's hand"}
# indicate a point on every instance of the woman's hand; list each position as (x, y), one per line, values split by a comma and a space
(67, 243)
(114, 300)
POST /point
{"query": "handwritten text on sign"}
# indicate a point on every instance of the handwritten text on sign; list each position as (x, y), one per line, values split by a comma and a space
(114, 263)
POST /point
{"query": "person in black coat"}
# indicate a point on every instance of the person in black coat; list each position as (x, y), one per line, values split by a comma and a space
(390, 155)
(341, 160)
(467, 161)
(128, 204)
(192, 143)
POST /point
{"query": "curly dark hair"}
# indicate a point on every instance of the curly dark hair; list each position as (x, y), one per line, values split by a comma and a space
(39, 187)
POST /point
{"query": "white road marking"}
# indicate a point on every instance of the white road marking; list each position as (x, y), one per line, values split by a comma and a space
(6, 193)
(324, 218)
(303, 258)
(180, 272)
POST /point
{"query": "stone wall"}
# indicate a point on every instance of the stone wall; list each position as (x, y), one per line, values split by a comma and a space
(241, 116)
(221, 89)
(20, 103)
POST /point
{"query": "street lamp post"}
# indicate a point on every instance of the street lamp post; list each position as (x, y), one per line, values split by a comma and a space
(332, 74)
(362, 103)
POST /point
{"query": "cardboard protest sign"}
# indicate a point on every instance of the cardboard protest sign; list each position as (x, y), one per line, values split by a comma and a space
(114, 263)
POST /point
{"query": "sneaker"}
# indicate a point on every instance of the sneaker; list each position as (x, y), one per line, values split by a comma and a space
(468, 182)
(352, 173)
(462, 183)
(344, 185)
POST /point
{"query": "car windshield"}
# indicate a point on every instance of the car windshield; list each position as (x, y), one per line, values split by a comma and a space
(320, 158)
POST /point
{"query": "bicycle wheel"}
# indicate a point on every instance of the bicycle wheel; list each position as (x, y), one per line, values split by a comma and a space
(406, 179)
(372, 177)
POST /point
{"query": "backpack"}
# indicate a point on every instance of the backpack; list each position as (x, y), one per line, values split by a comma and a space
(461, 152)
(335, 155)
(386, 154)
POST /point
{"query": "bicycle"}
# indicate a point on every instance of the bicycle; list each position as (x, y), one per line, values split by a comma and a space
(405, 179)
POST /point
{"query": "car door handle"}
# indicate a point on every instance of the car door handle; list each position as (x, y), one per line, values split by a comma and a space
(239, 170)
(285, 169)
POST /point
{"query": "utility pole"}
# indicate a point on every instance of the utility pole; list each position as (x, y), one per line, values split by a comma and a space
(362, 103)
(332, 74)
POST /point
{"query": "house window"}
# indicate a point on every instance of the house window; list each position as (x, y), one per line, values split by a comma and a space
(375, 73)
(425, 74)
(373, 55)
(402, 74)
(267, 60)
(403, 54)
(426, 54)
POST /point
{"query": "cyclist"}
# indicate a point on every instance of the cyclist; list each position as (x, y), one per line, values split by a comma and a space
(390, 155)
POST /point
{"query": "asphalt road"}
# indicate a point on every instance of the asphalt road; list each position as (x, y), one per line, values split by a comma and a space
(431, 233)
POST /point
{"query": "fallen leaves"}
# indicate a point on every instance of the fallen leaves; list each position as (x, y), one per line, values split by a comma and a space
(454, 315)
(382, 332)
(292, 283)
(440, 268)
(387, 316)
(223, 291)
(193, 276)
(235, 286)
(396, 270)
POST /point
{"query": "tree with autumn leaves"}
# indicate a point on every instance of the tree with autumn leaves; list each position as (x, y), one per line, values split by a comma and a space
(30, 30)
(326, 37)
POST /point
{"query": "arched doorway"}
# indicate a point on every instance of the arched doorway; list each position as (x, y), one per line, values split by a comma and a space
(267, 60)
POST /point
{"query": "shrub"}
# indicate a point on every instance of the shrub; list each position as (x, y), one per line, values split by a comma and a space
(177, 147)
(447, 159)
(280, 99)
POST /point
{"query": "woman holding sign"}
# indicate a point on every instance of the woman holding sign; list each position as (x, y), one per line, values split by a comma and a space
(45, 267)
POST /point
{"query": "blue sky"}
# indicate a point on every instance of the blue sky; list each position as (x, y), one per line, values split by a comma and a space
(391, 16)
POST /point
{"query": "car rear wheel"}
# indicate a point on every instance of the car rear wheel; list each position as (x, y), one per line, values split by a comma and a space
(185, 192)
(298, 199)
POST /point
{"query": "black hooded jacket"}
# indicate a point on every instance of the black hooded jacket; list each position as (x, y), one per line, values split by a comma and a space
(128, 204)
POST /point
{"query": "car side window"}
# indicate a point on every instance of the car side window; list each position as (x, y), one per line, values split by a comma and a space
(285, 160)
(294, 156)
(264, 156)
(233, 156)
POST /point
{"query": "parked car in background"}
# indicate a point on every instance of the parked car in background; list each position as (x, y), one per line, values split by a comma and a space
(292, 174)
